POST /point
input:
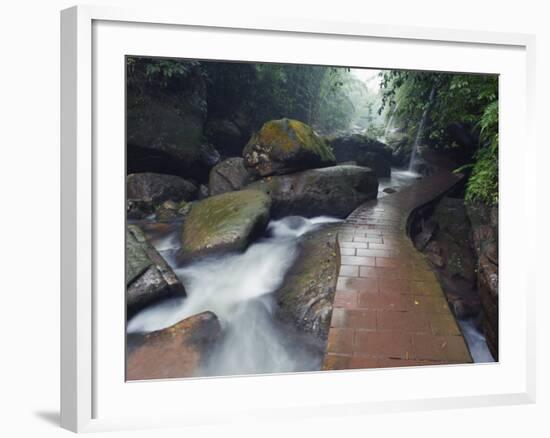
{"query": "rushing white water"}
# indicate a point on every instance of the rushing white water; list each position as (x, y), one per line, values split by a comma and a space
(238, 289)
(389, 125)
(476, 341)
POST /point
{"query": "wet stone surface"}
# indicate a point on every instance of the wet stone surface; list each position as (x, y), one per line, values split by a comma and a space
(389, 309)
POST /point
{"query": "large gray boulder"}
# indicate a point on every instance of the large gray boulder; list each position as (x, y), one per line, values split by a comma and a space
(306, 296)
(333, 191)
(285, 146)
(224, 223)
(176, 351)
(146, 191)
(364, 151)
(228, 175)
(165, 119)
(148, 276)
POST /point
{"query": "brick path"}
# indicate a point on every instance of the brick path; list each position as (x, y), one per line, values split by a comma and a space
(389, 309)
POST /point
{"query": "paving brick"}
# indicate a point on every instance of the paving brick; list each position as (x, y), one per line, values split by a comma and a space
(384, 344)
(349, 271)
(340, 340)
(363, 362)
(346, 299)
(357, 261)
(347, 251)
(336, 362)
(376, 301)
(389, 309)
(357, 284)
(403, 321)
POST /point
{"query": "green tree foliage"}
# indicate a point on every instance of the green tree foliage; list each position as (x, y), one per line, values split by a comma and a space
(469, 99)
(328, 98)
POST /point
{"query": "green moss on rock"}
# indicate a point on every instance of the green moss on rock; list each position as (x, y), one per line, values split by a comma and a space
(285, 146)
(226, 222)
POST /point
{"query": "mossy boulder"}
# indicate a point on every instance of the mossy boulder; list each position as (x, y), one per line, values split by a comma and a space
(306, 296)
(365, 151)
(176, 351)
(333, 191)
(171, 210)
(285, 146)
(165, 123)
(228, 175)
(148, 276)
(145, 192)
(224, 223)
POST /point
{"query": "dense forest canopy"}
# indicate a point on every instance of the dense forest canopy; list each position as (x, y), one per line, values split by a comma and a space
(425, 108)
(468, 99)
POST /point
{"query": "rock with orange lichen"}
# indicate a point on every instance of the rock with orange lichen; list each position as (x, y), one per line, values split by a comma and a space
(174, 352)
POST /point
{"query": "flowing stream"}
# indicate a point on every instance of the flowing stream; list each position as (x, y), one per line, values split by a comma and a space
(239, 288)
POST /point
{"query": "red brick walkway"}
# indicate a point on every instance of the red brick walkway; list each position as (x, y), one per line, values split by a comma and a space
(389, 309)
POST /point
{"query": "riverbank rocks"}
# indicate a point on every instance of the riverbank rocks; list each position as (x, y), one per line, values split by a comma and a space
(485, 238)
(445, 239)
(146, 191)
(174, 352)
(165, 120)
(223, 223)
(333, 191)
(285, 146)
(228, 175)
(364, 151)
(227, 136)
(306, 296)
(148, 276)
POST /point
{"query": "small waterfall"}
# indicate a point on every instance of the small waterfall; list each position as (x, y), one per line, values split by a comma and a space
(389, 125)
(420, 131)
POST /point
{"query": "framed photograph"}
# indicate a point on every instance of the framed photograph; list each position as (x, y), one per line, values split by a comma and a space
(291, 218)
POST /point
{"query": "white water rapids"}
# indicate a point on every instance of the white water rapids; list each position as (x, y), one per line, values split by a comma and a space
(239, 288)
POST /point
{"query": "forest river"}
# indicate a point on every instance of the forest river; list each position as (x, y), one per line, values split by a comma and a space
(239, 289)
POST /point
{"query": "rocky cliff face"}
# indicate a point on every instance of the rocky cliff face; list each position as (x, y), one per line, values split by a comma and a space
(484, 221)
(461, 242)
(165, 123)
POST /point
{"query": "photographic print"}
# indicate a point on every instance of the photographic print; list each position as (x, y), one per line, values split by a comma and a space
(286, 218)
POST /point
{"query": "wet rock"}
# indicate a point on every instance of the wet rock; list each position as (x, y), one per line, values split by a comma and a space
(444, 238)
(333, 191)
(148, 276)
(485, 241)
(389, 190)
(285, 146)
(146, 191)
(428, 229)
(363, 150)
(228, 175)
(454, 237)
(203, 192)
(227, 136)
(176, 351)
(165, 121)
(306, 296)
(400, 144)
(170, 210)
(226, 222)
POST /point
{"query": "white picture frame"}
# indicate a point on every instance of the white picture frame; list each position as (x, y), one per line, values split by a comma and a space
(86, 374)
